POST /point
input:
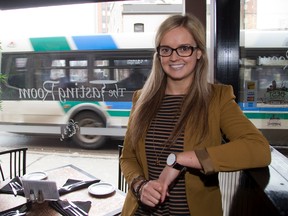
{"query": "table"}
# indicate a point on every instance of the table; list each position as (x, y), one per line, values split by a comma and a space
(100, 206)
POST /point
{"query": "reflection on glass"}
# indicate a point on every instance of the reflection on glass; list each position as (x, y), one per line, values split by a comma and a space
(264, 65)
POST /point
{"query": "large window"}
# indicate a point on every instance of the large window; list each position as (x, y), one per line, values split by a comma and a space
(79, 62)
(264, 63)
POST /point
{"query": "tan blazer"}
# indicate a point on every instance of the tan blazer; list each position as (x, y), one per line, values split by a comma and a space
(247, 149)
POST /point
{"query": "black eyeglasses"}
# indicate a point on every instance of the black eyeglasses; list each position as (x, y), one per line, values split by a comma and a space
(183, 51)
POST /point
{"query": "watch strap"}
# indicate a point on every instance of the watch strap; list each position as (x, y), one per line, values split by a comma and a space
(178, 166)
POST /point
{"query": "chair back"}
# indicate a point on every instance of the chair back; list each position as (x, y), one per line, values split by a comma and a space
(13, 163)
(122, 184)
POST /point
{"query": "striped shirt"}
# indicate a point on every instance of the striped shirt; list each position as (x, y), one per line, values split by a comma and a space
(157, 150)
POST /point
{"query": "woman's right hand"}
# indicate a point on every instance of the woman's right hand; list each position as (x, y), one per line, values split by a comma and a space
(150, 193)
(166, 178)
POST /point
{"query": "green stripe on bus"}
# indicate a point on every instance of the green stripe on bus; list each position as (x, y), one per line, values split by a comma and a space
(114, 113)
(50, 44)
(70, 104)
(118, 113)
(266, 115)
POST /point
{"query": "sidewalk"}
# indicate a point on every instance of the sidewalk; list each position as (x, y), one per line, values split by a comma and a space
(104, 167)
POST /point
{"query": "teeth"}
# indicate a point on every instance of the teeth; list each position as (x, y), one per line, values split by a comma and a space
(178, 66)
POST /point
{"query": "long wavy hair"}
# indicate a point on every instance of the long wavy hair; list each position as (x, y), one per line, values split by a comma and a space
(195, 103)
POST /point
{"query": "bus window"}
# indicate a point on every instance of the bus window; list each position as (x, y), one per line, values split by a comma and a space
(21, 62)
(100, 73)
(49, 69)
(67, 72)
(133, 62)
(101, 63)
(17, 72)
(128, 73)
(57, 73)
(78, 74)
(133, 79)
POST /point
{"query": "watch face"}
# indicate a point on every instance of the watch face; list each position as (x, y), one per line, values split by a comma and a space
(171, 159)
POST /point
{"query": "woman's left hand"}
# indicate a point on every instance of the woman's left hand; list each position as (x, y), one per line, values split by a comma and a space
(166, 178)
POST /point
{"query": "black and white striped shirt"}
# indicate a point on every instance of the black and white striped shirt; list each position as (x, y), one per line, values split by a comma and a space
(157, 150)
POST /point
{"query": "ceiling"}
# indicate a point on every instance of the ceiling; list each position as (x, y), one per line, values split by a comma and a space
(17, 4)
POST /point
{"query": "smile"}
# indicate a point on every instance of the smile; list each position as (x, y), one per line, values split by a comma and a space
(177, 66)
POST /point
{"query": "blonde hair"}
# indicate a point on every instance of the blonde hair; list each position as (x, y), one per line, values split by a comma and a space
(195, 103)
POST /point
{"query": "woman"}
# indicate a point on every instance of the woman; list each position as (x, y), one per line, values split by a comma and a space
(172, 149)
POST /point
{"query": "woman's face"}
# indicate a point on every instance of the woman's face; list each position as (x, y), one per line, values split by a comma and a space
(176, 67)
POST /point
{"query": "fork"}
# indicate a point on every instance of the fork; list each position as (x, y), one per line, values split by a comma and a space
(19, 187)
(15, 186)
(72, 210)
(13, 189)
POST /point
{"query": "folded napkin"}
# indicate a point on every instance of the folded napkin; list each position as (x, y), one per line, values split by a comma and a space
(73, 185)
(61, 207)
(21, 208)
(8, 190)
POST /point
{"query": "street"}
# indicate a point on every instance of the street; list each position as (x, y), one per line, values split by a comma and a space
(52, 144)
(46, 153)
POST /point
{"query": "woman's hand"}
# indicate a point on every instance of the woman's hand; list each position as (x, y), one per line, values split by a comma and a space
(150, 193)
(167, 178)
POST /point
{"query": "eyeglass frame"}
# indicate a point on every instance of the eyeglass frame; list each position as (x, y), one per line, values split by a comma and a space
(192, 48)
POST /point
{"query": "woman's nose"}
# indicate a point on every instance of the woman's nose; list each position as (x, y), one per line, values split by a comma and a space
(174, 55)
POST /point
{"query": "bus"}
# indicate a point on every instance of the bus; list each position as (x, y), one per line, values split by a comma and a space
(77, 88)
(81, 87)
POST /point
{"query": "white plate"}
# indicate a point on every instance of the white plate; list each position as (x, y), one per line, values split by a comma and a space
(101, 189)
(35, 176)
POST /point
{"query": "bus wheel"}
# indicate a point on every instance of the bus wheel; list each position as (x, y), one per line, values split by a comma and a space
(89, 119)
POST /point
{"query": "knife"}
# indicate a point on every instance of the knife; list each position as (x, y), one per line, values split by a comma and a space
(77, 184)
(13, 189)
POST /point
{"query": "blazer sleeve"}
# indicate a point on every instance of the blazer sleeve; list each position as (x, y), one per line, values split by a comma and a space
(246, 148)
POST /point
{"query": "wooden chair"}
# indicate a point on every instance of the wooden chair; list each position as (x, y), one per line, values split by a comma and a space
(14, 161)
(122, 184)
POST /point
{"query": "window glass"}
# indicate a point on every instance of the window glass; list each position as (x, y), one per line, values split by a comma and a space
(75, 63)
(264, 63)
(101, 63)
(21, 62)
(125, 73)
(69, 64)
(138, 27)
(56, 71)
(132, 79)
(17, 75)
(78, 75)
(81, 73)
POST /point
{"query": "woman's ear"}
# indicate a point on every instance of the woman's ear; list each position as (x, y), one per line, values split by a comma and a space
(198, 53)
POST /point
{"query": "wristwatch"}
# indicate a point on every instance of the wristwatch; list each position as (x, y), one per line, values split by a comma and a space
(172, 162)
